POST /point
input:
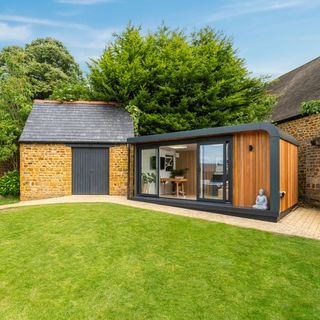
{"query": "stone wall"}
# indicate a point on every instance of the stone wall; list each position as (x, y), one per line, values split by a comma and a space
(118, 170)
(304, 130)
(45, 171)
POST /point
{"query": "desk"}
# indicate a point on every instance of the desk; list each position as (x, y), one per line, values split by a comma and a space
(177, 182)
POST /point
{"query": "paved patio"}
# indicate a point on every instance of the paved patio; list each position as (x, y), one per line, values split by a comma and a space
(303, 222)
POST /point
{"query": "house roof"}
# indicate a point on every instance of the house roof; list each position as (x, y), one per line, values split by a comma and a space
(77, 122)
(272, 130)
(293, 88)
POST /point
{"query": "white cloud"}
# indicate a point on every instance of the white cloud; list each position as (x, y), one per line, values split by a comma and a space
(84, 2)
(250, 7)
(14, 32)
(44, 22)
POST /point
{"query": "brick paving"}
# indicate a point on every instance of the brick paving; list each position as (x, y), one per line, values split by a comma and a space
(303, 222)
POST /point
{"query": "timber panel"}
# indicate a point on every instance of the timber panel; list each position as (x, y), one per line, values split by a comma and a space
(251, 169)
(288, 174)
(188, 159)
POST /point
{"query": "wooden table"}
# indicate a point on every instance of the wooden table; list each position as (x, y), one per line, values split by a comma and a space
(177, 182)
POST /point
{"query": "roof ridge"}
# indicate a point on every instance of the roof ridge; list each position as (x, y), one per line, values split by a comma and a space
(297, 68)
(74, 102)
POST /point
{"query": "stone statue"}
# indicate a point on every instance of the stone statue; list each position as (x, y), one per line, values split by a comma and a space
(261, 201)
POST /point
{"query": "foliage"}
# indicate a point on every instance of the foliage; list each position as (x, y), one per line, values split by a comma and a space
(107, 261)
(27, 73)
(310, 107)
(149, 177)
(179, 81)
(15, 102)
(135, 113)
(50, 65)
(10, 184)
(46, 63)
(77, 90)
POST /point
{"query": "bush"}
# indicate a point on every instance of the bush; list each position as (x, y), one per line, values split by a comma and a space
(310, 107)
(10, 184)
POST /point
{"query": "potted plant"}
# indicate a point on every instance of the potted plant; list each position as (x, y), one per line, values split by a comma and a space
(178, 173)
(147, 179)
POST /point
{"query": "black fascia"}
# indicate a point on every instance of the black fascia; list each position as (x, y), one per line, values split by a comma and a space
(272, 130)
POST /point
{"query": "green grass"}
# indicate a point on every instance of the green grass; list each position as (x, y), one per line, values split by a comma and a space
(8, 200)
(106, 261)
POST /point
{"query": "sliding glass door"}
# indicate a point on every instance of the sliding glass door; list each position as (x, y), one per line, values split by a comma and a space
(214, 171)
(149, 171)
(190, 171)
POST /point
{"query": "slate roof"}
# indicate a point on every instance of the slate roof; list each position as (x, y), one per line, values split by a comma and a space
(77, 122)
(299, 85)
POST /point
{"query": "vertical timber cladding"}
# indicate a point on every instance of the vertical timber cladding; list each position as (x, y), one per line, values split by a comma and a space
(251, 169)
(90, 171)
(288, 175)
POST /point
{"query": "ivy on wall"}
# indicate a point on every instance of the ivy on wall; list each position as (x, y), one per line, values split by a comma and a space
(310, 107)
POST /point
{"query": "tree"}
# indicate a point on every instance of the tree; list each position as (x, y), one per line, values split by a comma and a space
(179, 81)
(50, 64)
(15, 104)
(25, 74)
(77, 90)
(46, 63)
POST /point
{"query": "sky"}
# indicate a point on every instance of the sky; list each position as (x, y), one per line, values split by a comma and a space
(273, 37)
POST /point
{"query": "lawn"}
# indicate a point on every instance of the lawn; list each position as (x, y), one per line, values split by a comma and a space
(106, 261)
(8, 200)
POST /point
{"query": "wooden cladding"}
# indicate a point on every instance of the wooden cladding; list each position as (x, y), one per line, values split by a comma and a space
(188, 159)
(288, 175)
(251, 167)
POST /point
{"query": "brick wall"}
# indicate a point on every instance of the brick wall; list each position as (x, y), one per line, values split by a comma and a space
(118, 170)
(304, 130)
(45, 171)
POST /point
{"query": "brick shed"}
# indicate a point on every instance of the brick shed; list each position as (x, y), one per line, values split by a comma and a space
(74, 148)
(293, 88)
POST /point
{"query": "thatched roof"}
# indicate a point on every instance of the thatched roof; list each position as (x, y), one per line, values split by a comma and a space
(299, 85)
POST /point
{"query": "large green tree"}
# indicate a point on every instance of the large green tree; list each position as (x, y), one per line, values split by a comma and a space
(47, 64)
(179, 81)
(15, 101)
(34, 71)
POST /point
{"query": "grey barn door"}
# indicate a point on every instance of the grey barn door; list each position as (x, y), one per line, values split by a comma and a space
(90, 170)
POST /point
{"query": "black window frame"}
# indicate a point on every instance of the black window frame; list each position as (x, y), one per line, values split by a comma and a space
(224, 141)
(210, 140)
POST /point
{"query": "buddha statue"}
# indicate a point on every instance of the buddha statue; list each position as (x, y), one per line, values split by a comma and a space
(261, 201)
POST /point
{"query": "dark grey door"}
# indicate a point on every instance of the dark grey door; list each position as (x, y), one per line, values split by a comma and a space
(90, 170)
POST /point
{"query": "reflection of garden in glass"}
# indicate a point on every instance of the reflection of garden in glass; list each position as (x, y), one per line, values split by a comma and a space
(149, 171)
(212, 171)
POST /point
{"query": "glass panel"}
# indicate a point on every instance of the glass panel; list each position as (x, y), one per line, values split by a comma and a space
(211, 172)
(178, 171)
(149, 171)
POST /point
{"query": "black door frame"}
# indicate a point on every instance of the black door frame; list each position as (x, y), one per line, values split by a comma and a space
(222, 140)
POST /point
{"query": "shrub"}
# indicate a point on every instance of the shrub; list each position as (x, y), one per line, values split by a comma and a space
(310, 107)
(10, 184)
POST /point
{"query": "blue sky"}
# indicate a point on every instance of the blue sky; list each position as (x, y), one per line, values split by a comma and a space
(272, 36)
